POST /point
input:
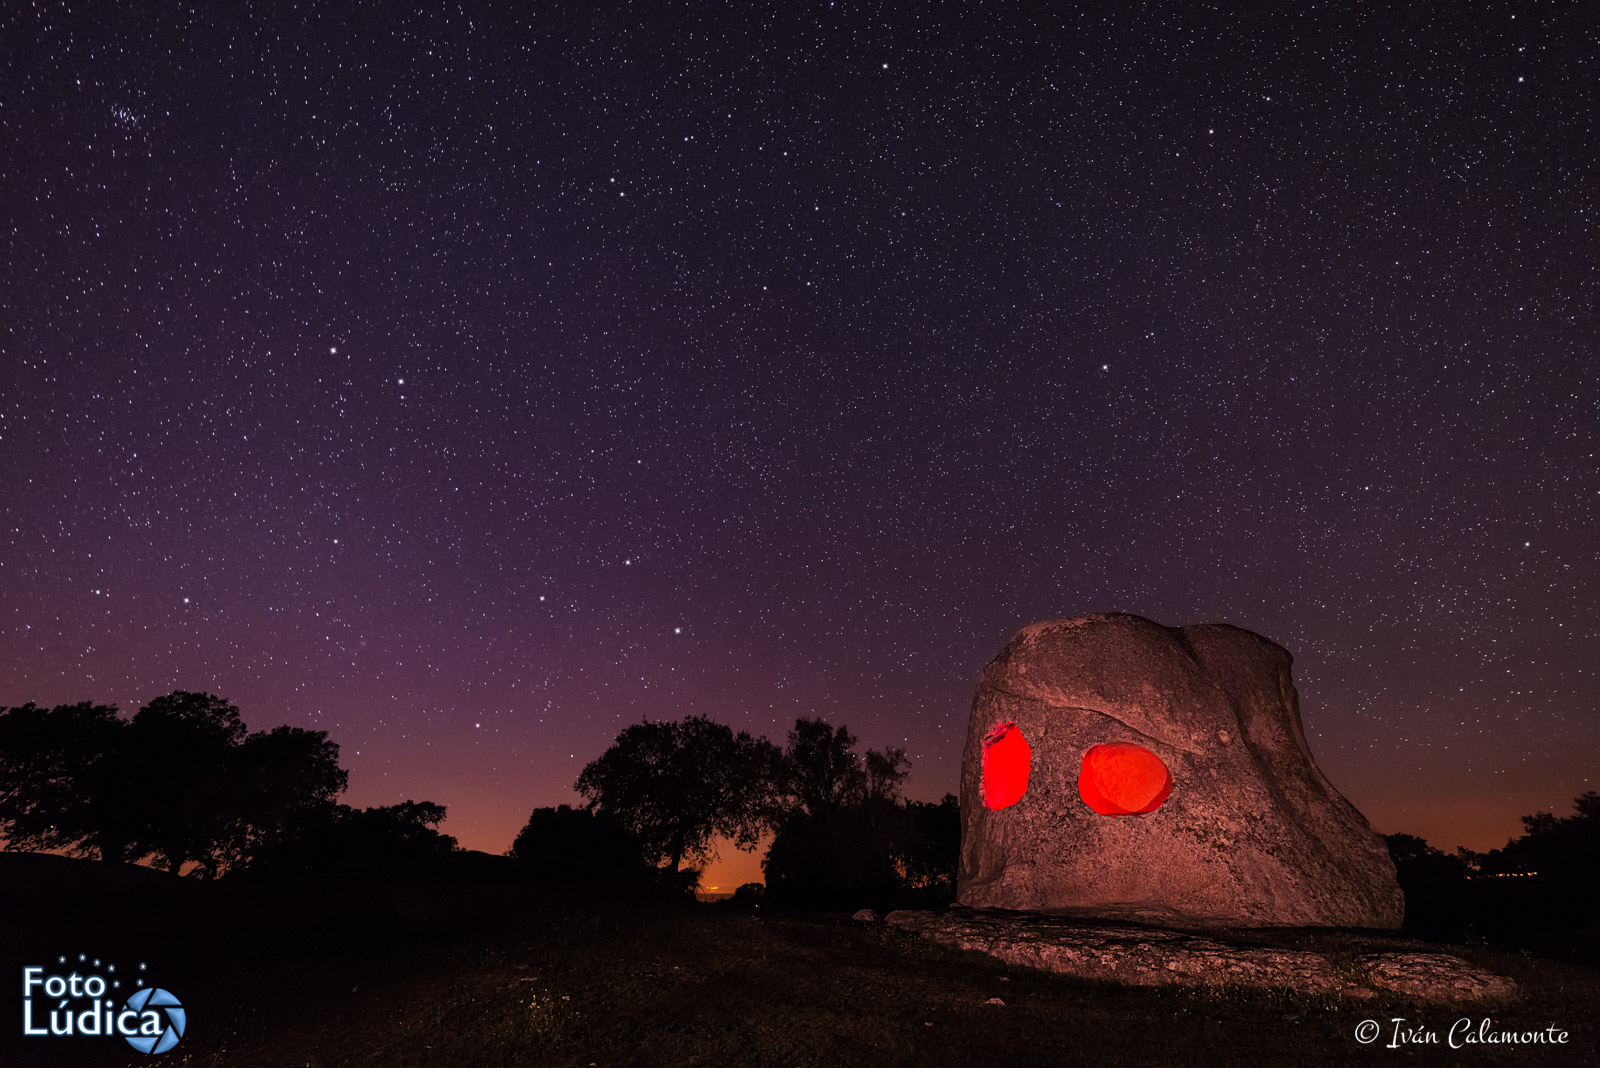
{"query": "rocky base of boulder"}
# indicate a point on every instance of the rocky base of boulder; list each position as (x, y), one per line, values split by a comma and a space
(1152, 956)
(1435, 978)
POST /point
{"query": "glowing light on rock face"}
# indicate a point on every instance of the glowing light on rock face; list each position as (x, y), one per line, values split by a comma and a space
(1123, 779)
(1007, 757)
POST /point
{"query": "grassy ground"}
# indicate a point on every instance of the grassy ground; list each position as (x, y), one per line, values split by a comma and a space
(460, 974)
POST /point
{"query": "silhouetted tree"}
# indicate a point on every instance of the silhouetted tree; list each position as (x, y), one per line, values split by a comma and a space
(406, 832)
(577, 847)
(64, 781)
(1557, 861)
(674, 786)
(846, 838)
(1435, 886)
(747, 898)
(1414, 858)
(839, 858)
(180, 747)
(386, 839)
(182, 781)
(207, 791)
(279, 782)
(825, 772)
(1565, 848)
(887, 769)
(1538, 890)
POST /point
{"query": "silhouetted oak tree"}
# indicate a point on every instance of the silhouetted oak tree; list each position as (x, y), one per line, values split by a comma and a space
(64, 780)
(1565, 848)
(384, 839)
(279, 782)
(180, 746)
(847, 839)
(182, 781)
(569, 846)
(674, 786)
(825, 772)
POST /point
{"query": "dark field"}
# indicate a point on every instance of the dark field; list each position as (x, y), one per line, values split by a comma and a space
(484, 971)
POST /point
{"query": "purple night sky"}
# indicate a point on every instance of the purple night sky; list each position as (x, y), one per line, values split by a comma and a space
(473, 384)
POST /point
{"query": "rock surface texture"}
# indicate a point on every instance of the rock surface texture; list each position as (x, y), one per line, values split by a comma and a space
(1144, 956)
(1435, 977)
(1248, 833)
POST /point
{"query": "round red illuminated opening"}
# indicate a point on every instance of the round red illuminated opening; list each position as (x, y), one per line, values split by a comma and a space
(1006, 758)
(1122, 779)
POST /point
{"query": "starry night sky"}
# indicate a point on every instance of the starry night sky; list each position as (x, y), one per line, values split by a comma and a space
(472, 382)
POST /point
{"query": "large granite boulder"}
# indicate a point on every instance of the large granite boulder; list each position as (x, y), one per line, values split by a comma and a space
(1121, 769)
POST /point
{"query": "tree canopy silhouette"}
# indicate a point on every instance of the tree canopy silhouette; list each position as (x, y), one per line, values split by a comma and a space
(842, 831)
(383, 839)
(675, 785)
(63, 780)
(1538, 890)
(1566, 848)
(825, 771)
(826, 774)
(847, 838)
(569, 846)
(182, 781)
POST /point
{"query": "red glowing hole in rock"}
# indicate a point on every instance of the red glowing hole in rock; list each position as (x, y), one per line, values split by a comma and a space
(1122, 779)
(1006, 759)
